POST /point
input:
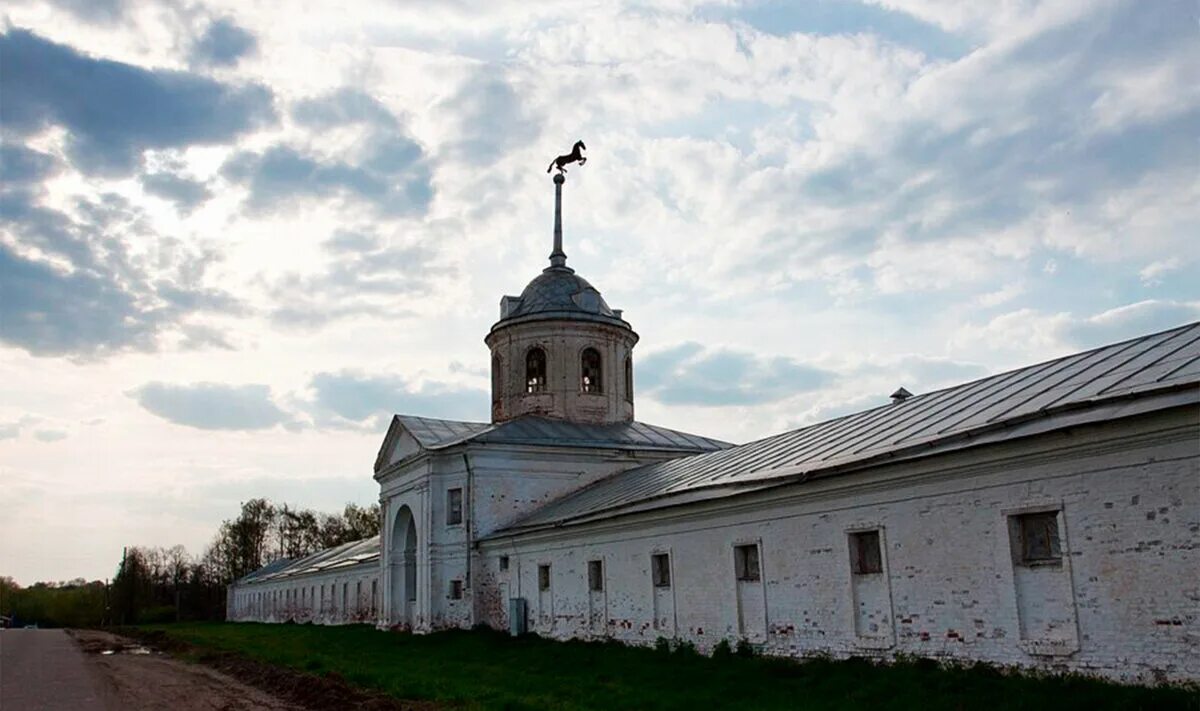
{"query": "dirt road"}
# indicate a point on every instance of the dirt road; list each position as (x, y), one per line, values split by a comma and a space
(45, 670)
(97, 671)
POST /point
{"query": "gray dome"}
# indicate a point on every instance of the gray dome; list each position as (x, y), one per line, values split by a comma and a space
(559, 293)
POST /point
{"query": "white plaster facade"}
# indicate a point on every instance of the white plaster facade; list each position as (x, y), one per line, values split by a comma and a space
(477, 513)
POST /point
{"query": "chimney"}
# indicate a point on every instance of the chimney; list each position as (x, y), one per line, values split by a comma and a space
(900, 396)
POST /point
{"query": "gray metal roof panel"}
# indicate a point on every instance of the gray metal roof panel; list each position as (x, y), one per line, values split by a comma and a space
(345, 555)
(986, 410)
(541, 431)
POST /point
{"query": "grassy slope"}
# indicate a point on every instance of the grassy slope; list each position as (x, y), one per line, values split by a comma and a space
(489, 670)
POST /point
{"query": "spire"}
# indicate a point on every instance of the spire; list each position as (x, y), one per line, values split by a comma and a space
(558, 258)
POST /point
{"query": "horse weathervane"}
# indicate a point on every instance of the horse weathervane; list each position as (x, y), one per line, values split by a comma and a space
(575, 156)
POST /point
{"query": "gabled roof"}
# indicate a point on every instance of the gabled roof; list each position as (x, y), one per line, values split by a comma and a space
(343, 556)
(433, 434)
(1152, 372)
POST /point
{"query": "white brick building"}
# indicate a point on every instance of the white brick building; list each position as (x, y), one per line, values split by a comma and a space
(1044, 517)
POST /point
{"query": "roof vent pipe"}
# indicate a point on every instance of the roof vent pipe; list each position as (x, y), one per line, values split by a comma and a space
(900, 396)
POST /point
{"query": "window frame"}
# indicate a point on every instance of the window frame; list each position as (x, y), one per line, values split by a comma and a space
(585, 386)
(451, 510)
(860, 562)
(502, 563)
(456, 589)
(660, 575)
(741, 559)
(536, 384)
(595, 575)
(543, 577)
(1020, 524)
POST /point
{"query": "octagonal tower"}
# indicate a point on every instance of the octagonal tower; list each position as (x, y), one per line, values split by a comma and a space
(558, 350)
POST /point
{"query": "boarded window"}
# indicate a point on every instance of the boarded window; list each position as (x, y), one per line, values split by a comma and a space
(865, 558)
(454, 507)
(660, 570)
(535, 370)
(543, 577)
(629, 378)
(503, 562)
(1037, 538)
(591, 380)
(456, 589)
(595, 575)
(745, 562)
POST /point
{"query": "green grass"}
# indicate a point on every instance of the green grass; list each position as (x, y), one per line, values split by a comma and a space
(488, 670)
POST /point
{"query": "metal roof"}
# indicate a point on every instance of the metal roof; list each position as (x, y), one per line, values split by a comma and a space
(559, 293)
(343, 556)
(1158, 370)
(541, 431)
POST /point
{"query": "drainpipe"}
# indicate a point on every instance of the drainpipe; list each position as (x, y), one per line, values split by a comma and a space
(468, 526)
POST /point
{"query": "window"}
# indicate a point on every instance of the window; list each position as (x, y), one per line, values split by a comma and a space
(543, 577)
(345, 597)
(456, 589)
(535, 370)
(503, 562)
(745, 562)
(629, 378)
(660, 570)
(358, 595)
(865, 558)
(591, 380)
(595, 575)
(374, 594)
(497, 378)
(1037, 538)
(454, 511)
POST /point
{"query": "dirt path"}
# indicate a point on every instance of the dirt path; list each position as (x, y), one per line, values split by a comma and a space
(135, 677)
(43, 669)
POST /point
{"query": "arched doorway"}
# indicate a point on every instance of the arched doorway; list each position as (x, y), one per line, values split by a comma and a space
(403, 564)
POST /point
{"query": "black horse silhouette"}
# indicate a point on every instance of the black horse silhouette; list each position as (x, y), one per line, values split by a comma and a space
(575, 156)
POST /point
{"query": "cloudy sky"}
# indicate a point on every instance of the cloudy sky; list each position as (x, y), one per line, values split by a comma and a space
(235, 237)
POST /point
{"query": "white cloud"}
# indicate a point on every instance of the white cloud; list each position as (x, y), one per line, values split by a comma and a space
(844, 204)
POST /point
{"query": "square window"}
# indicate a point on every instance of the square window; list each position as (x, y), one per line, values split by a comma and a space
(660, 570)
(456, 589)
(454, 509)
(1037, 541)
(543, 577)
(865, 558)
(595, 575)
(503, 562)
(745, 560)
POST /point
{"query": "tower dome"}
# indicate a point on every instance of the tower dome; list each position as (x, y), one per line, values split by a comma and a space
(559, 350)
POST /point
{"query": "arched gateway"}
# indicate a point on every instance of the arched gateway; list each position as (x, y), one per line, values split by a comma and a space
(402, 565)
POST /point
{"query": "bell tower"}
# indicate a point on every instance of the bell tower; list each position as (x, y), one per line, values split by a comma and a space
(558, 350)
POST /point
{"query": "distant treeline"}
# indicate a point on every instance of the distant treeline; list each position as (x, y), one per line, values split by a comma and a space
(164, 584)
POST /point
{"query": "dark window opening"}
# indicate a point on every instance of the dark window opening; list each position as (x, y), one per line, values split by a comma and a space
(1038, 537)
(591, 380)
(660, 570)
(543, 577)
(595, 575)
(503, 562)
(745, 562)
(456, 589)
(865, 557)
(497, 378)
(535, 370)
(454, 507)
(629, 378)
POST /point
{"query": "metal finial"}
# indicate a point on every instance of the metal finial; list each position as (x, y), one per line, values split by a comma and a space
(558, 258)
